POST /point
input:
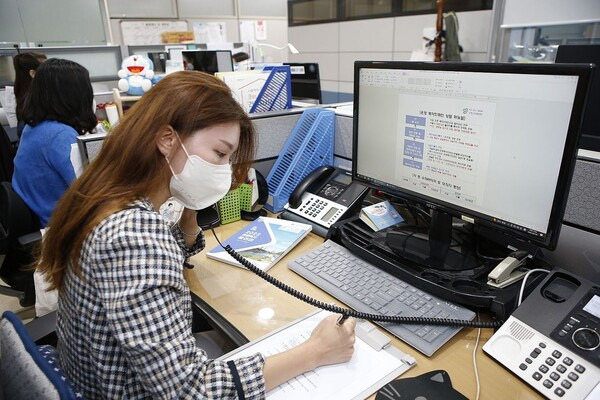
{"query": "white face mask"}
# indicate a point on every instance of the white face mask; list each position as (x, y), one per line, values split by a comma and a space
(200, 184)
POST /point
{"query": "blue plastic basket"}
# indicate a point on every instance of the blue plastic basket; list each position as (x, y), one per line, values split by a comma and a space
(309, 146)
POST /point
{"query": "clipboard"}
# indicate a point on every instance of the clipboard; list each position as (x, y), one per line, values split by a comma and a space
(375, 362)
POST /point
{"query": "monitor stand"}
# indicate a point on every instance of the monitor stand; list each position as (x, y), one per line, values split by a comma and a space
(440, 247)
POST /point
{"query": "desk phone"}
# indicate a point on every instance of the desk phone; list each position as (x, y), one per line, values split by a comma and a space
(324, 196)
(552, 341)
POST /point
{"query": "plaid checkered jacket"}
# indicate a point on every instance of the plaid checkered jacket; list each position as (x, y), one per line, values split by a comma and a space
(125, 328)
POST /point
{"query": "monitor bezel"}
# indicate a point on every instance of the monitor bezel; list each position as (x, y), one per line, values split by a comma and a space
(306, 81)
(588, 53)
(569, 157)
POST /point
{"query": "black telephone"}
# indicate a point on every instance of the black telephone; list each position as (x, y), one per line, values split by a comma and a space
(323, 197)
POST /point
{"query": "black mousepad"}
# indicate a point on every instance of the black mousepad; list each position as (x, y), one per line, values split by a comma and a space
(429, 386)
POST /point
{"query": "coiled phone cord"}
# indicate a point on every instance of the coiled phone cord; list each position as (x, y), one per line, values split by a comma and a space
(352, 313)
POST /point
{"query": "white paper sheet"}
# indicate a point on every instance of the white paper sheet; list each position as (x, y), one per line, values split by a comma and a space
(341, 381)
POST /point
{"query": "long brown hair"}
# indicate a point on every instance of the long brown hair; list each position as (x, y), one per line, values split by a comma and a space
(130, 164)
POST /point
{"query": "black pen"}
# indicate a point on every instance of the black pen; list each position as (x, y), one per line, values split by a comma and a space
(341, 319)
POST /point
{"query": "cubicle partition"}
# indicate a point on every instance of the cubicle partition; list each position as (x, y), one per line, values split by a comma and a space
(103, 62)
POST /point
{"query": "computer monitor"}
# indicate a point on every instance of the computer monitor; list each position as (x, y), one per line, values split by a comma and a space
(209, 61)
(306, 83)
(159, 59)
(589, 53)
(89, 146)
(491, 144)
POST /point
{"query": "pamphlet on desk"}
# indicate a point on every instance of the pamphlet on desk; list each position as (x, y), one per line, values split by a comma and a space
(380, 216)
(374, 363)
(263, 242)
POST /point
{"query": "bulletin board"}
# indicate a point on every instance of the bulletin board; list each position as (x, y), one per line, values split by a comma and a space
(148, 32)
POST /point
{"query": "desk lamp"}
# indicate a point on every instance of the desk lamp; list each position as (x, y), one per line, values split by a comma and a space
(256, 48)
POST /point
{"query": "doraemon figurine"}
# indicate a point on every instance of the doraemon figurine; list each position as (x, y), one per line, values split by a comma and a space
(136, 75)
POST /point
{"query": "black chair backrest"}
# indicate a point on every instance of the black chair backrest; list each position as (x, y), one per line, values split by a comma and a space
(7, 154)
(16, 219)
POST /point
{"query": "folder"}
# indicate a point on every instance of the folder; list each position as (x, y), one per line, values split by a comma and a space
(374, 363)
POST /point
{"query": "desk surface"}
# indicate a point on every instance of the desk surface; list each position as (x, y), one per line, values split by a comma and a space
(256, 308)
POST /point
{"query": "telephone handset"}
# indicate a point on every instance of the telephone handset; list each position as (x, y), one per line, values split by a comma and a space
(324, 196)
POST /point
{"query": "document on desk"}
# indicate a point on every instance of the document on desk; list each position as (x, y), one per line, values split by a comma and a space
(370, 368)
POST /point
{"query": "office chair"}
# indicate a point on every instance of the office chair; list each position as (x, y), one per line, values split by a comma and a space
(29, 371)
(7, 155)
(29, 366)
(19, 233)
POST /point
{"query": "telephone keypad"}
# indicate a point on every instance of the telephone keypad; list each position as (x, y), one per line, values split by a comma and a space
(316, 209)
(551, 368)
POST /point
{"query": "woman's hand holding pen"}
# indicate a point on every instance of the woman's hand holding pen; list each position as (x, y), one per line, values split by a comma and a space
(331, 342)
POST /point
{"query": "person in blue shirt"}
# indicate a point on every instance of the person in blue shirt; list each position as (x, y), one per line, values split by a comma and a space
(57, 109)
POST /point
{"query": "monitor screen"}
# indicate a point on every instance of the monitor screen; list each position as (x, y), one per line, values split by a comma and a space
(209, 61)
(589, 53)
(306, 83)
(89, 146)
(492, 144)
(159, 59)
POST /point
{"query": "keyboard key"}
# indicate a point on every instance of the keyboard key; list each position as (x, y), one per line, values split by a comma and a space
(580, 368)
(561, 368)
(573, 376)
(544, 368)
(523, 366)
(330, 279)
(548, 383)
(554, 376)
(566, 384)
(567, 361)
(537, 376)
(550, 361)
(430, 337)
(559, 392)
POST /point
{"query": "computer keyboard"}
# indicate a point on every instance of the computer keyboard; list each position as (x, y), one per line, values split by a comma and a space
(366, 288)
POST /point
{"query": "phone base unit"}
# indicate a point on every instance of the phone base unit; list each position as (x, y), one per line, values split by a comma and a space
(324, 198)
(552, 341)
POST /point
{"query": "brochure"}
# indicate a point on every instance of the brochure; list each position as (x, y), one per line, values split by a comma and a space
(380, 216)
(263, 242)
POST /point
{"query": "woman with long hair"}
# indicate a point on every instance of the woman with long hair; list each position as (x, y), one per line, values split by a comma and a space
(124, 310)
(57, 109)
(25, 64)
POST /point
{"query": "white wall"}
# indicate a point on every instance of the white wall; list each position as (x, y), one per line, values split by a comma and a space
(335, 46)
(231, 12)
(534, 12)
